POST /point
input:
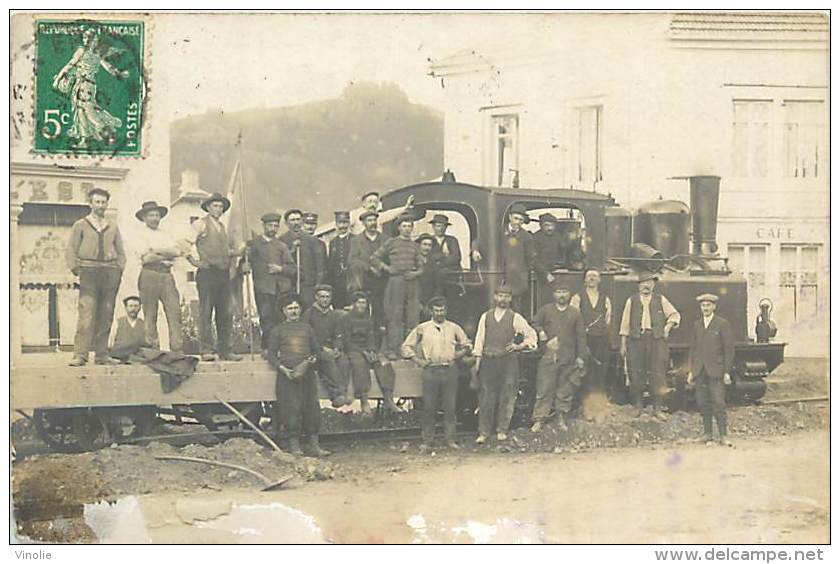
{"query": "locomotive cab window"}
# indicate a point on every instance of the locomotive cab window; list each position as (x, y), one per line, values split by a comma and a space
(462, 226)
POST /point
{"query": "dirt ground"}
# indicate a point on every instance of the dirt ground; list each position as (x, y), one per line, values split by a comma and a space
(616, 479)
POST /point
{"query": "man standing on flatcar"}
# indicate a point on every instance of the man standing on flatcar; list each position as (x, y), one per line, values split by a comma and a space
(338, 262)
(518, 257)
(308, 253)
(501, 334)
(435, 346)
(363, 274)
(274, 272)
(646, 324)
(332, 364)
(560, 369)
(548, 248)
(96, 255)
(712, 354)
(446, 253)
(400, 258)
(310, 225)
(292, 346)
(596, 310)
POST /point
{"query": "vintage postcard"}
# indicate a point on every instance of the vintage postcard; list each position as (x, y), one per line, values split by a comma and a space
(421, 277)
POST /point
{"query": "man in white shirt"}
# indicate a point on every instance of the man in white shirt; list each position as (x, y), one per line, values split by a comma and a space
(501, 334)
(646, 324)
(435, 346)
(372, 203)
(596, 310)
(156, 283)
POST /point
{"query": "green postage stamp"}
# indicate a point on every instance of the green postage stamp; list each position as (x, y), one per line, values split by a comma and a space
(89, 87)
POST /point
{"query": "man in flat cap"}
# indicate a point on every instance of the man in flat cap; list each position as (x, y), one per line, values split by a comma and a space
(274, 273)
(212, 255)
(711, 356)
(400, 258)
(547, 249)
(309, 255)
(363, 274)
(561, 368)
(156, 283)
(95, 254)
(292, 350)
(646, 323)
(372, 203)
(332, 364)
(446, 254)
(338, 261)
(501, 334)
(310, 225)
(518, 256)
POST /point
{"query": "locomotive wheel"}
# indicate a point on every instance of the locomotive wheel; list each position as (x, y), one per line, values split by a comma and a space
(49, 428)
(89, 430)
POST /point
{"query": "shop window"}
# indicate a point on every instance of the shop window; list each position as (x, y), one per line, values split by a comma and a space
(587, 143)
(750, 261)
(751, 137)
(798, 285)
(505, 149)
(804, 139)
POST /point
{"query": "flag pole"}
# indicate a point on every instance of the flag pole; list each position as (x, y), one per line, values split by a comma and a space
(248, 298)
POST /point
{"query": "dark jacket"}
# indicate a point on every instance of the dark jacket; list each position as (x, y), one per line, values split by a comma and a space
(712, 348)
(450, 262)
(339, 258)
(313, 257)
(548, 250)
(261, 253)
(518, 257)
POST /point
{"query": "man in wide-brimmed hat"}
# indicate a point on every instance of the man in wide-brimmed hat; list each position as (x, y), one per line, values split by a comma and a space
(518, 255)
(156, 283)
(712, 354)
(273, 270)
(213, 257)
(96, 255)
(646, 323)
(446, 254)
(309, 253)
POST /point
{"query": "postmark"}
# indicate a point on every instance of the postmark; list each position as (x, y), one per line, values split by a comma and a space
(89, 87)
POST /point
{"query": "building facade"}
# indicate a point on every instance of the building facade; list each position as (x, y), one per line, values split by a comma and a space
(627, 104)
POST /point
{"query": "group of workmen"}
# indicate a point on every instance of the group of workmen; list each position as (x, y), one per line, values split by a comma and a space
(335, 313)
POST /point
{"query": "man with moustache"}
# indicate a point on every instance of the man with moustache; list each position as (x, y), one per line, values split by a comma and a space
(308, 253)
(332, 363)
(446, 254)
(338, 262)
(130, 333)
(371, 203)
(547, 248)
(518, 257)
(560, 369)
(596, 310)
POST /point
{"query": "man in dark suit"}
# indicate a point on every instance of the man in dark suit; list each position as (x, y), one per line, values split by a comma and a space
(518, 256)
(338, 263)
(274, 273)
(446, 254)
(309, 255)
(712, 353)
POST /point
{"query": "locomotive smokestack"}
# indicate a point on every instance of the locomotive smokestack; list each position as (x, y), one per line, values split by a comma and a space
(705, 193)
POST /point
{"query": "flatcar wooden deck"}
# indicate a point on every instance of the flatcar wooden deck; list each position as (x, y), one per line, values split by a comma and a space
(45, 381)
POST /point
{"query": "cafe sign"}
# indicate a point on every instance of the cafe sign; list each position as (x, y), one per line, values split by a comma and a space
(53, 184)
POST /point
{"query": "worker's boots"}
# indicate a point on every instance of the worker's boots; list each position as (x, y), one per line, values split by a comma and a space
(314, 449)
(365, 402)
(388, 403)
(294, 447)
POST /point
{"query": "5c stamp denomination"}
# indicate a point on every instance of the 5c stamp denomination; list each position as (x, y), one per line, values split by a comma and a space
(89, 87)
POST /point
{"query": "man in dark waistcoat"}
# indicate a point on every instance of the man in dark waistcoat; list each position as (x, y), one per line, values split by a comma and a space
(96, 255)
(560, 370)
(596, 310)
(646, 323)
(338, 263)
(213, 258)
(130, 333)
(292, 346)
(518, 257)
(501, 334)
(309, 254)
(274, 273)
(711, 356)
(332, 363)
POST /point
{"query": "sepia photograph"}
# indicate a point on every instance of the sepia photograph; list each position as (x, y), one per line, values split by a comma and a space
(421, 277)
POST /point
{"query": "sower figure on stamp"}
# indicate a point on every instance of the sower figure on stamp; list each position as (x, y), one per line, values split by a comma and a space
(561, 368)
(292, 346)
(338, 262)
(435, 346)
(400, 258)
(274, 273)
(363, 274)
(646, 322)
(130, 331)
(596, 310)
(156, 283)
(711, 356)
(96, 255)
(446, 254)
(332, 366)
(501, 334)
(518, 257)
(211, 255)
(308, 254)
